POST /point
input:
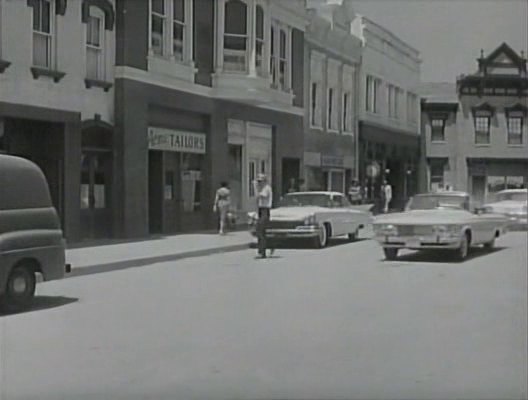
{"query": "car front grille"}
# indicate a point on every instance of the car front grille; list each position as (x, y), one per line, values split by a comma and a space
(410, 230)
(284, 224)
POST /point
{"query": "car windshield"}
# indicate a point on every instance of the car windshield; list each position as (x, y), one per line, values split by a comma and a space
(430, 202)
(312, 199)
(516, 196)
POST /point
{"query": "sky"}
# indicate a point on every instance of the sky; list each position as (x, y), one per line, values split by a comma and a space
(450, 33)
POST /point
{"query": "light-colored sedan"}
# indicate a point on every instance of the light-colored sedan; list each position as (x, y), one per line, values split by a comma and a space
(316, 216)
(438, 221)
(513, 203)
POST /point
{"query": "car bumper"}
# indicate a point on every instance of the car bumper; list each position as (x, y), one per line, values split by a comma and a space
(298, 233)
(419, 242)
(517, 223)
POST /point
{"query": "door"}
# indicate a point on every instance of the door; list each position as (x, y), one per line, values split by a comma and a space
(96, 219)
(256, 165)
(478, 188)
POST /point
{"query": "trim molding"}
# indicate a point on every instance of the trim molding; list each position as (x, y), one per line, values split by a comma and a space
(37, 72)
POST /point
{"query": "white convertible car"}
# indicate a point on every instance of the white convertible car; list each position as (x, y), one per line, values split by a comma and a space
(438, 221)
(513, 203)
(316, 216)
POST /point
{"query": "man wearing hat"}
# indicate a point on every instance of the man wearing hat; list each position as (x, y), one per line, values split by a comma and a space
(264, 201)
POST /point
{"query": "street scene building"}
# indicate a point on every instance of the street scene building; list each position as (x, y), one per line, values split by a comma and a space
(57, 103)
(474, 130)
(389, 127)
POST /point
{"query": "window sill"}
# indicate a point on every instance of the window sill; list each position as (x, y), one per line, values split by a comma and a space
(438, 141)
(170, 68)
(97, 83)
(482, 144)
(316, 127)
(516, 145)
(3, 65)
(37, 72)
(335, 131)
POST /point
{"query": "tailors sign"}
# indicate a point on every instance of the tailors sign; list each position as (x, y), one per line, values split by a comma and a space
(176, 140)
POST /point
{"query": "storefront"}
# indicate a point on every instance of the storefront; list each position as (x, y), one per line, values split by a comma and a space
(176, 165)
(328, 172)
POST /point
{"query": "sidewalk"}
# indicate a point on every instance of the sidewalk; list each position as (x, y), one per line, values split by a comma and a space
(106, 257)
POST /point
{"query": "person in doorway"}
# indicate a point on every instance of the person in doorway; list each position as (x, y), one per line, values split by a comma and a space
(302, 185)
(264, 196)
(354, 192)
(293, 186)
(386, 192)
(221, 205)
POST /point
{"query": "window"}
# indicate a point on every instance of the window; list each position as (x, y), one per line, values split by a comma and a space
(280, 56)
(315, 106)
(331, 110)
(273, 57)
(235, 37)
(438, 130)
(95, 45)
(347, 112)
(259, 41)
(411, 107)
(168, 192)
(371, 94)
(436, 167)
(191, 181)
(43, 12)
(482, 129)
(170, 29)
(283, 60)
(515, 129)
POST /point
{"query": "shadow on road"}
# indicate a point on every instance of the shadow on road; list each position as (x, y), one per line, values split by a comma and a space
(445, 256)
(44, 303)
(300, 244)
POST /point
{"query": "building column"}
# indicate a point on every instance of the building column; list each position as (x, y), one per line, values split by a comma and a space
(72, 181)
(220, 22)
(267, 41)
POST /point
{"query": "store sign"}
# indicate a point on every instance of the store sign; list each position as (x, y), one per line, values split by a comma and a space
(332, 161)
(173, 140)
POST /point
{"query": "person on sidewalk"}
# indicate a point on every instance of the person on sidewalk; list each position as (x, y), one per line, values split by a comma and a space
(221, 205)
(354, 192)
(264, 201)
(386, 192)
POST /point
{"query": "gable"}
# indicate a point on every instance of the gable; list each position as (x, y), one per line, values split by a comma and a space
(503, 61)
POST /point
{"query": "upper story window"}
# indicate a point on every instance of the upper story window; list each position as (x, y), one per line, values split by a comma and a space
(315, 105)
(438, 129)
(236, 36)
(392, 101)
(170, 29)
(95, 39)
(43, 33)
(515, 116)
(411, 107)
(482, 118)
(346, 123)
(280, 60)
(371, 94)
(332, 110)
(259, 41)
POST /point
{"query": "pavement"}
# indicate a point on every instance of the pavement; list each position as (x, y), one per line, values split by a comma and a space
(108, 256)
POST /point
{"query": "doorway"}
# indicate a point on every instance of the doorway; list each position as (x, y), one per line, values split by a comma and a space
(478, 188)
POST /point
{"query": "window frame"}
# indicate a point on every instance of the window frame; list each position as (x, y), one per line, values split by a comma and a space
(443, 120)
(515, 116)
(331, 109)
(101, 48)
(315, 105)
(50, 36)
(482, 116)
(346, 115)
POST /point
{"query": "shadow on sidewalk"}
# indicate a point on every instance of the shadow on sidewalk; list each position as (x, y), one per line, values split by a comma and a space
(44, 303)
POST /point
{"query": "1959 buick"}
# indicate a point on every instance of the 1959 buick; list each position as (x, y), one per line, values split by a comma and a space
(443, 220)
(316, 216)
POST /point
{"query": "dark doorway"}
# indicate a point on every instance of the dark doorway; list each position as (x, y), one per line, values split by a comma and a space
(291, 169)
(155, 174)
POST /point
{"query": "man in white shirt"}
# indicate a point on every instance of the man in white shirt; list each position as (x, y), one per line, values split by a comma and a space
(387, 196)
(264, 202)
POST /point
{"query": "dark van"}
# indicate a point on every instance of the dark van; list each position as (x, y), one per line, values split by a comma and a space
(31, 239)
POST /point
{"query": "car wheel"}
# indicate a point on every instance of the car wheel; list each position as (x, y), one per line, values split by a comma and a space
(321, 240)
(390, 253)
(463, 249)
(490, 245)
(352, 237)
(20, 289)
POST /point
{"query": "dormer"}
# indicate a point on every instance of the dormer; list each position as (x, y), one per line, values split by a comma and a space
(502, 61)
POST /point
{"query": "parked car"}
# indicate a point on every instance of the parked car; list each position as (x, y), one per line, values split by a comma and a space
(31, 239)
(513, 203)
(438, 221)
(315, 216)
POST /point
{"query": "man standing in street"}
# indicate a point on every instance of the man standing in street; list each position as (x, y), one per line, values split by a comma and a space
(386, 192)
(264, 196)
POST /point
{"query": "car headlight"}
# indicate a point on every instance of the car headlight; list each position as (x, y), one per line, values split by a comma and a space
(310, 220)
(445, 229)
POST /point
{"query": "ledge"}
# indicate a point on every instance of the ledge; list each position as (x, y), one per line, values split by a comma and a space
(97, 83)
(37, 72)
(3, 65)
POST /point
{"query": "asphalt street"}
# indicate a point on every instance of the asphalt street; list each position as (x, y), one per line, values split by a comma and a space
(306, 324)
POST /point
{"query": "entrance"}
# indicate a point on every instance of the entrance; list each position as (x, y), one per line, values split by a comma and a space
(96, 172)
(290, 170)
(478, 188)
(335, 180)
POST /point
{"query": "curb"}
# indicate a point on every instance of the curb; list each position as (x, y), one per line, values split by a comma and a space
(141, 262)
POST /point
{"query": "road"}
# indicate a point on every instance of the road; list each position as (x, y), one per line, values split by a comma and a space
(306, 324)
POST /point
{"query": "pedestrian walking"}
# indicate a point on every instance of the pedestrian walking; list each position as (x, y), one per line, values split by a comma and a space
(264, 201)
(222, 204)
(354, 192)
(386, 192)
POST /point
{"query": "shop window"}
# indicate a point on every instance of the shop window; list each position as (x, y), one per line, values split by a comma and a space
(192, 172)
(438, 130)
(168, 192)
(437, 174)
(515, 128)
(497, 183)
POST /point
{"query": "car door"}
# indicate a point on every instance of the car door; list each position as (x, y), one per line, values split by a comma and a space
(342, 216)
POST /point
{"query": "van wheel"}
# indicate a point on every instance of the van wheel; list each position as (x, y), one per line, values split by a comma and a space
(20, 289)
